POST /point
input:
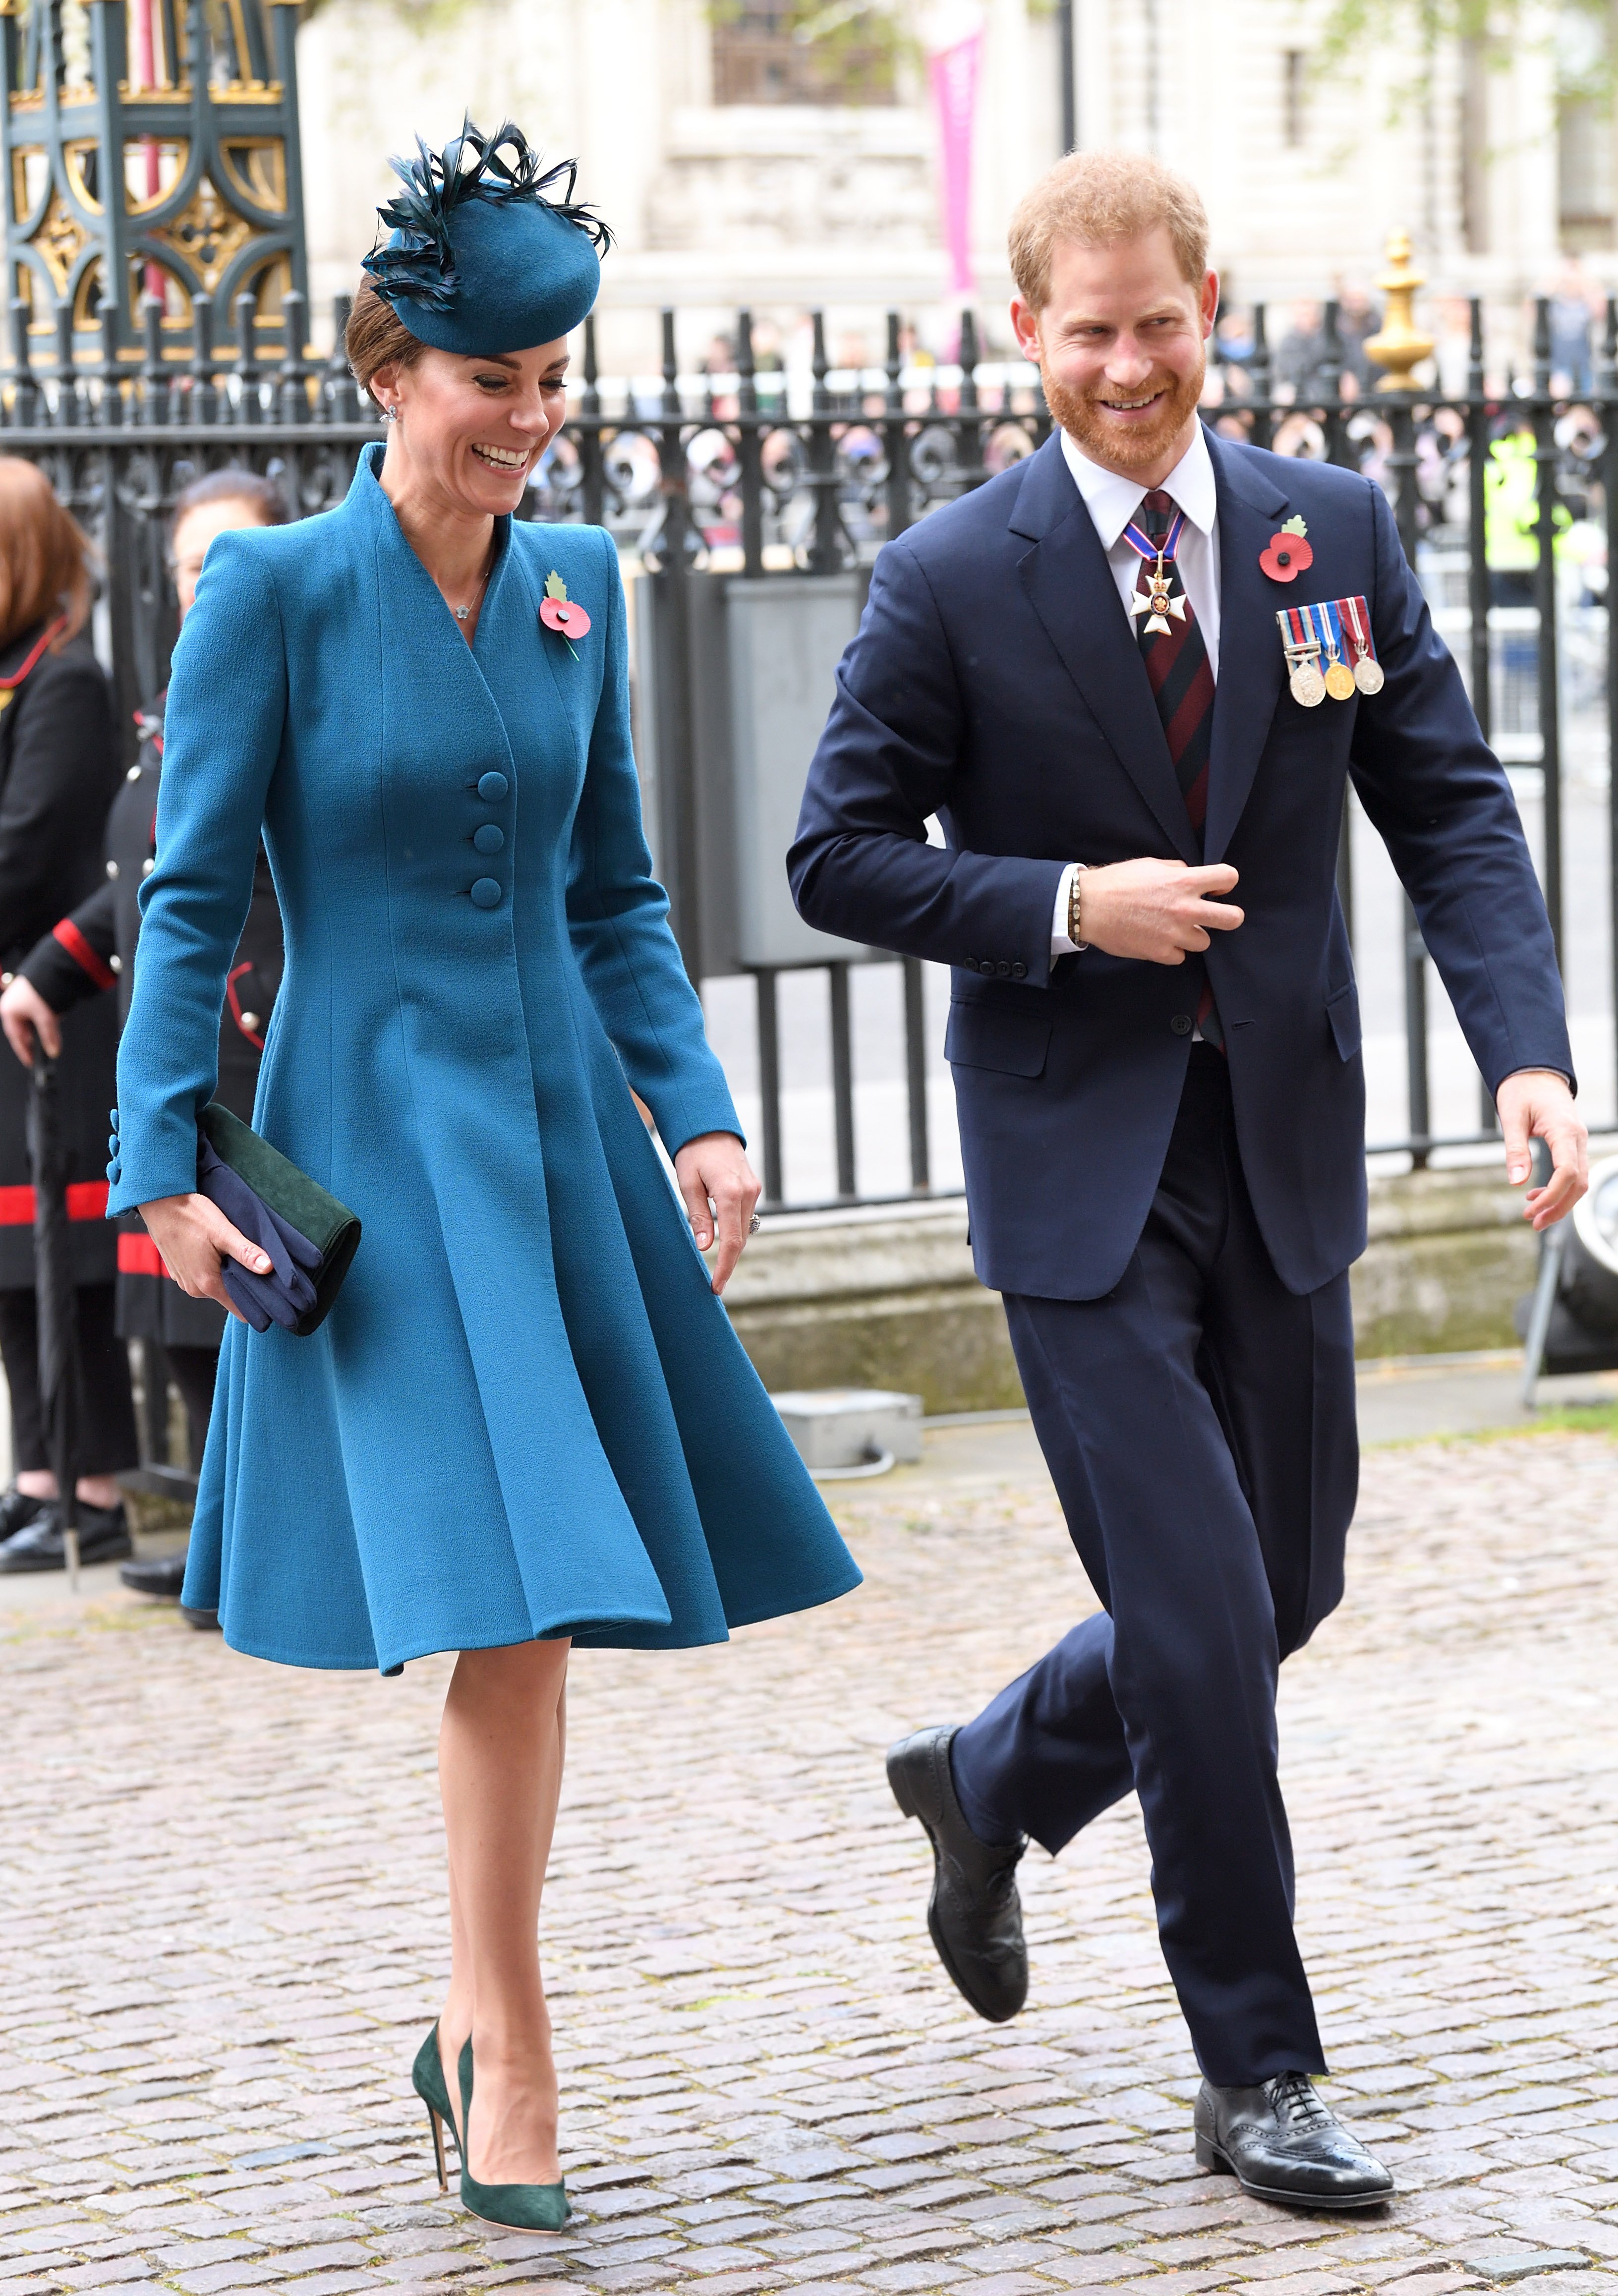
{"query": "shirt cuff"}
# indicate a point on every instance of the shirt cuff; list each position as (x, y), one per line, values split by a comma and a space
(1060, 943)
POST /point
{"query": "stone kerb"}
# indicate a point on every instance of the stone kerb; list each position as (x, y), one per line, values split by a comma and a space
(885, 1296)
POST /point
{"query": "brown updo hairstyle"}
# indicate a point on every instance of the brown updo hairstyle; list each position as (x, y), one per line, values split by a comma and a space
(376, 336)
(46, 556)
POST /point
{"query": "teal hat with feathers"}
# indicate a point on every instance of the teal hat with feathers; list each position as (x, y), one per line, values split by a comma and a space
(480, 259)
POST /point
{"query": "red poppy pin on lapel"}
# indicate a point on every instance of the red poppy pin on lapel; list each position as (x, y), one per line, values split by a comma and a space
(560, 614)
(1287, 554)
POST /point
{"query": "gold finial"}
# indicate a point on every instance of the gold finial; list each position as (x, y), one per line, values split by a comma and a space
(1399, 346)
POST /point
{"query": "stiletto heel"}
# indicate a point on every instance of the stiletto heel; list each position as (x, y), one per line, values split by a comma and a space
(529, 2208)
(427, 2079)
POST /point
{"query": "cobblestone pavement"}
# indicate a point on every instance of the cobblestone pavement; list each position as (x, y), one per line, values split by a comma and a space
(225, 1932)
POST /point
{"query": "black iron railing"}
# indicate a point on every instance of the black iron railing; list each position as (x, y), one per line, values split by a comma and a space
(757, 473)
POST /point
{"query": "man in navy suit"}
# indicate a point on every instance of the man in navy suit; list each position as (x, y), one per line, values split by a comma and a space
(1079, 670)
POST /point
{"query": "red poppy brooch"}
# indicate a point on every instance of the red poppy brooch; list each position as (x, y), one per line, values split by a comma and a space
(1286, 554)
(560, 614)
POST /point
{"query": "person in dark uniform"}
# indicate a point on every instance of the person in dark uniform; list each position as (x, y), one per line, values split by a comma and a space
(57, 772)
(91, 951)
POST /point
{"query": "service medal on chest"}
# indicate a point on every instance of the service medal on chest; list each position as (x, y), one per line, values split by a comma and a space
(1307, 685)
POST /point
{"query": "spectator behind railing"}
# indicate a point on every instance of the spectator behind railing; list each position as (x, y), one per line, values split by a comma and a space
(57, 772)
(94, 949)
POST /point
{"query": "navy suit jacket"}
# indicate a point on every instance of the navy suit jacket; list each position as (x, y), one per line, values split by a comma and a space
(995, 681)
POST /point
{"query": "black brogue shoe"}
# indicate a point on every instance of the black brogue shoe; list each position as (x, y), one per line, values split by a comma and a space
(1280, 2142)
(974, 1914)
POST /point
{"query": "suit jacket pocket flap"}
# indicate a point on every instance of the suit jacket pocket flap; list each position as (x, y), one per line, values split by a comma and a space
(1342, 1011)
(986, 1036)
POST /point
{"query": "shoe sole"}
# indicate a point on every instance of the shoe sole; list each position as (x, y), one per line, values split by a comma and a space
(1208, 2156)
(9, 1570)
(899, 1787)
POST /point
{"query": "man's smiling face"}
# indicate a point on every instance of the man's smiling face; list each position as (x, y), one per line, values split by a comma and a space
(1120, 345)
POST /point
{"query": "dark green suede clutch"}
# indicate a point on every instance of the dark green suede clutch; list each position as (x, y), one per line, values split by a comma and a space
(302, 1204)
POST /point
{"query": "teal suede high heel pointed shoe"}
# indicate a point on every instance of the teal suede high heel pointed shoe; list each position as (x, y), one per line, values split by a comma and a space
(530, 2208)
(427, 2077)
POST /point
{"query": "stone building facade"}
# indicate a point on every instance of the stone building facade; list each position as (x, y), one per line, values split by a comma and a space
(719, 199)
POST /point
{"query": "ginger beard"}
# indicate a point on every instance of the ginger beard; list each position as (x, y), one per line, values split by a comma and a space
(1134, 446)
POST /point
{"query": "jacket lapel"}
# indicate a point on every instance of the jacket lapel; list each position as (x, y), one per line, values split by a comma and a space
(1251, 659)
(1071, 588)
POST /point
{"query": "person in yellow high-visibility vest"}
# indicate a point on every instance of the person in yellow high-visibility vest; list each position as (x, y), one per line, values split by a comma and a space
(1511, 514)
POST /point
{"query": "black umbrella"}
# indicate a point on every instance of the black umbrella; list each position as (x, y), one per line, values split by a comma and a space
(53, 1297)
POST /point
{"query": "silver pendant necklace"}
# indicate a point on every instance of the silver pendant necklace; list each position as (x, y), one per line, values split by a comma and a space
(466, 613)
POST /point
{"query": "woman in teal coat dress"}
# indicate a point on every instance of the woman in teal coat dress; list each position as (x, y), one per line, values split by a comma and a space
(526, 1421)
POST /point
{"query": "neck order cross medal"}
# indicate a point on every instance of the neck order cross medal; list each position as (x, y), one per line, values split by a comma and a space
(1162, 596)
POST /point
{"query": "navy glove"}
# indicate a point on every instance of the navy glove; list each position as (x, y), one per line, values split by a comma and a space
(287, 1291)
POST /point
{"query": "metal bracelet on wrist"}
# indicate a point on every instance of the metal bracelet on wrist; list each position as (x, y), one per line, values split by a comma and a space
(1075, 908)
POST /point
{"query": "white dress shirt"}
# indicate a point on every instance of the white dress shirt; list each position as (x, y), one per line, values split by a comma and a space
(1112, 503)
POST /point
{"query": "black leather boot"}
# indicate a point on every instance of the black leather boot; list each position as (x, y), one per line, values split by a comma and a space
(974, 1914)
(1281, 2144)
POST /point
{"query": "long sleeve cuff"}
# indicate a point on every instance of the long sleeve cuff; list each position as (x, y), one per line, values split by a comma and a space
(1060, 943)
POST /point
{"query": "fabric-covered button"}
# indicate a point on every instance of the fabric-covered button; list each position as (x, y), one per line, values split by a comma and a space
(485, 893)
(113, 1172)
(492, 788)
(488, 839)
(112, 1146)
(112, 1118)
(1019, 970)
(1182, 1024)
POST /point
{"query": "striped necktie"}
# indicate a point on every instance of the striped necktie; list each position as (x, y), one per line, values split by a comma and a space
(1182, 687)
(1181, 675)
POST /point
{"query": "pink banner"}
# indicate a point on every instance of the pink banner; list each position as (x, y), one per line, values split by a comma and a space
(954, 74)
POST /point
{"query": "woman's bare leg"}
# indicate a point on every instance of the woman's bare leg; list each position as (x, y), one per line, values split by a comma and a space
(500, 1749)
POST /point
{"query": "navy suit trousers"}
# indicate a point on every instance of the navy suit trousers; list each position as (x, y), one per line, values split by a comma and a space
(1198, 1422)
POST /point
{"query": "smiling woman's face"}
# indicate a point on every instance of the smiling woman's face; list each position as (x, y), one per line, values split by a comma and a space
(468, 432)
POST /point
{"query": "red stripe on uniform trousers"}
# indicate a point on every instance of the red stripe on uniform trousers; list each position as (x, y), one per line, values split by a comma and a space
(78, 948)
(138, 1255)
(87, 1201)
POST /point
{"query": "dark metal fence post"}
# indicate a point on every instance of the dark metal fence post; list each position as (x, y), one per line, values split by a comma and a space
(249, 406)
(1416, 1036)
(25, 390)
(204, 390)
(1545, 599)
(153, 403)
(842, 1076)
(826, 550)
(916, 1073)
(295, 330)
(676, 745)
(968, 427)
(1477, 576)
(592, 484)
(1607, 392)
(749, 449)
(1477, 503)
(1259, 369)
(764, 987)
(896, 436)
(1401, 469)
(1331, 384)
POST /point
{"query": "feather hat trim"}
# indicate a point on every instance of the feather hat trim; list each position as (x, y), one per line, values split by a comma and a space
(418, 262)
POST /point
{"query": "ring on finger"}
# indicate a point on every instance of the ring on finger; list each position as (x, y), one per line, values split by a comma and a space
(755, 1225)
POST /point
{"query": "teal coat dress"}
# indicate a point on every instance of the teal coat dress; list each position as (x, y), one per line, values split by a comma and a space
(526, 1414)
